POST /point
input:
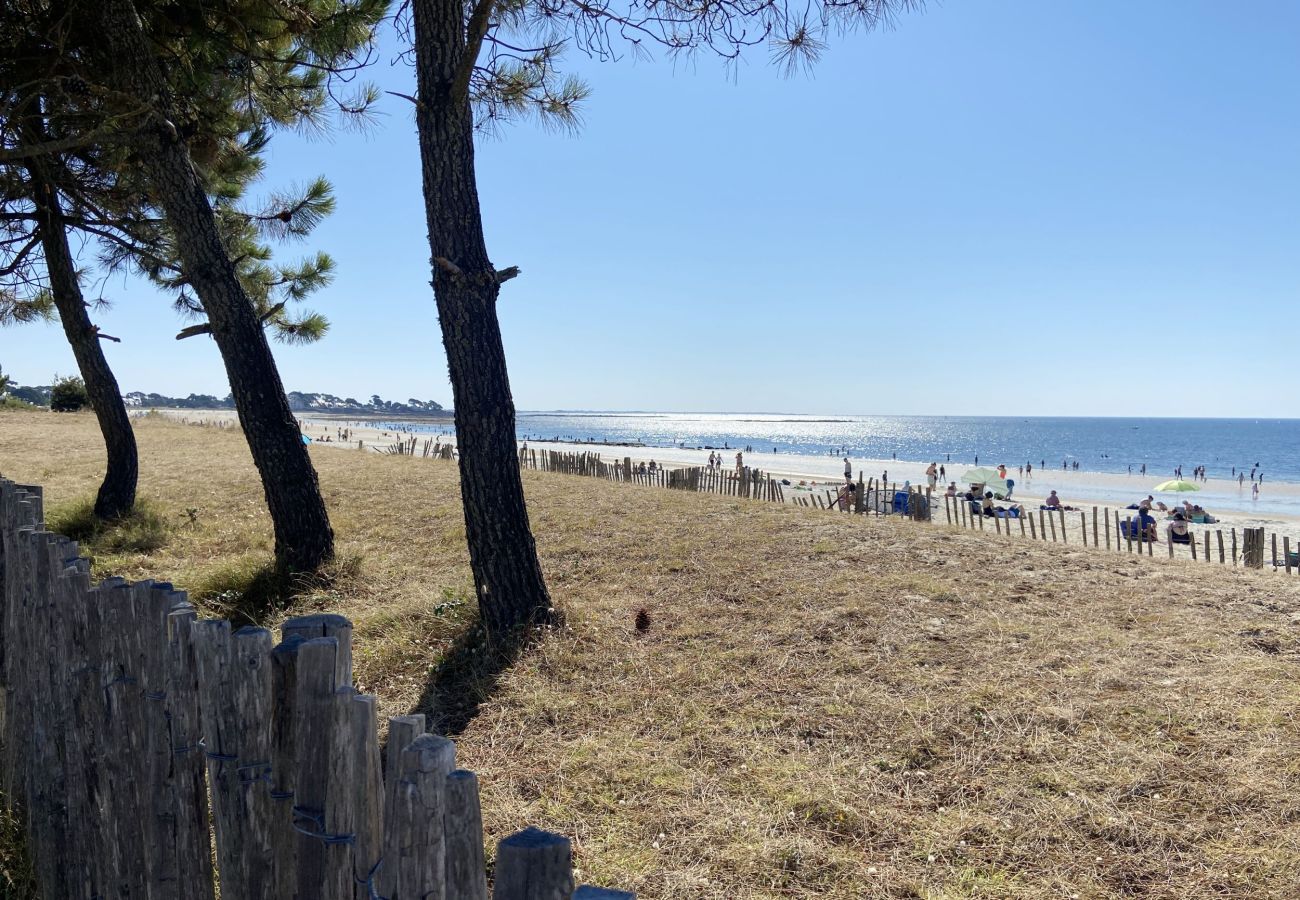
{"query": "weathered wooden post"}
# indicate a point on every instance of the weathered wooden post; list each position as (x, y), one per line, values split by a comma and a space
(1252, 548)
(534, 865)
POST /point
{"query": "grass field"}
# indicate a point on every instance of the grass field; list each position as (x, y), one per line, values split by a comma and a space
(821, 707)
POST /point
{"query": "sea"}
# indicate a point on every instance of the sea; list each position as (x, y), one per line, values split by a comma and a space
(1223, 446)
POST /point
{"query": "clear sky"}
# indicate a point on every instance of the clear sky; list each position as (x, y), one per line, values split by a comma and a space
(999, 207)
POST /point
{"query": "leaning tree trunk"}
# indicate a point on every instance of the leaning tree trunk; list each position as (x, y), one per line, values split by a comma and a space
(303, 538)
(117, 492)
(116, 495)
(507, 575)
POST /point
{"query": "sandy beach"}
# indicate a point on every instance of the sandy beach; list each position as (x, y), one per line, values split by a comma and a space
(1277, 509)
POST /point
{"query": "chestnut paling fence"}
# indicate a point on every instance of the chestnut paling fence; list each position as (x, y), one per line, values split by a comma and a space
(1099, 527)
(151, 753)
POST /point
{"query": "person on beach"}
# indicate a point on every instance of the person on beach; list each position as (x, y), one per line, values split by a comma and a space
(1011, 486)
(987, 505)
(1052, 501)
(848, 469)
(1002, 472)
(932, 474)
(1146, 504)
(1178, 531)
(1146, 525)
(952, 489)
(846, 496)
(943, 473)
(1029, 470)
(1254, 491)
(740, 461)
(1241, 479)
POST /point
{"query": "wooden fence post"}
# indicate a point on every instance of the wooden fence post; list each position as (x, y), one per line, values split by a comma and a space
(533, 865)
(324, 857)
(421, 807)
(1252, 548)
(464, 838)
(235, 702)
(368, 793)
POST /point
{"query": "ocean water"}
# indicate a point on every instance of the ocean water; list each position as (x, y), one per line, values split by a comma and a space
(1097, 444)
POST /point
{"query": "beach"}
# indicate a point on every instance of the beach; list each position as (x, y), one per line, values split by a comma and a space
(859, 706)
(1277, 509)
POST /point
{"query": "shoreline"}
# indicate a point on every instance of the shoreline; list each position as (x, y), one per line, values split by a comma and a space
(1277, 509)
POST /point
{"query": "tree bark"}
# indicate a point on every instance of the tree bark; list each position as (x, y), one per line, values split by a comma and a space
(503, 556)
(116, 495)
(113, 36)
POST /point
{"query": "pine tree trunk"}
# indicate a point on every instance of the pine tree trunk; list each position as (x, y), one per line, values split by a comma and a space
(507, 575)
(303, 537)
(117, 492)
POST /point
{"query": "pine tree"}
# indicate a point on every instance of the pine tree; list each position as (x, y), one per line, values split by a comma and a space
(486, 62)
(177, 97)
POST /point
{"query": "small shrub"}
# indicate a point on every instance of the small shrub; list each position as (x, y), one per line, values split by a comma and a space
(8, 402)
(69, 395)
(143, 530)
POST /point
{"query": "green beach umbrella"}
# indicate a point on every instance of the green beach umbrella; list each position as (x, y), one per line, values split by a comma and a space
(981, 475)
(1176, 486)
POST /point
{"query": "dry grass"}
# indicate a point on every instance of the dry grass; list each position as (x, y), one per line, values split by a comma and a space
(820, 707)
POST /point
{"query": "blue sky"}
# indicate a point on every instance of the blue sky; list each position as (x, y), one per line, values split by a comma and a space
(1002, 207)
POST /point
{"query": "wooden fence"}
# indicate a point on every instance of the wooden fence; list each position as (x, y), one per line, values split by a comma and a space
(744, 482)
(143, 746)
(1098, 527)
(1117, 530)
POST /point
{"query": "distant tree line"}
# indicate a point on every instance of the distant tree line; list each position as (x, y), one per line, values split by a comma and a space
(40, 395)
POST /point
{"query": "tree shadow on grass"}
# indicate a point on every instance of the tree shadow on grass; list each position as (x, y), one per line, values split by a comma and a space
(249, 591)
(468, 676)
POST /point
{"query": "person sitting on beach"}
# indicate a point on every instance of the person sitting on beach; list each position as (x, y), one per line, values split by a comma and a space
(1179, 533)
(1052, 501)
(987, 505)
(1146, 524)
(952, 489)
(653, 467)
(1146, 504)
